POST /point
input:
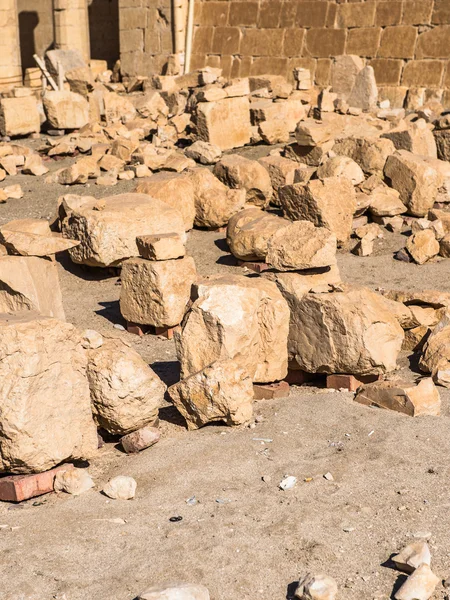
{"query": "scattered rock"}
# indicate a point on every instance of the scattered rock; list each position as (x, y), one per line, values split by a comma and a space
(412, 556)
(120, 488)
(140, 440)
(420, 585)
(408, 398)
(73, 481)
(316, 587)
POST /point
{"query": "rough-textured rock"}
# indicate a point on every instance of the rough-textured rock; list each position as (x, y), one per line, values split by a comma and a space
(73, 481)
(420, 585)
(175, 591)
(29, 283)
(316, 587)
(281, 171)
(239, 172)
(416, 137)
(364, 93)
(66, 110)
(329, 203)
(108, 228)
(341, 166)
(435, 358)
(161, 247)
(300, 246)
(19, 116)
(407, 398)
(120, 488)
(20, 237)
(296, 285)
(370, 153)
(225, 123)
(385, 202)
(249, 232)
(45, 408)
(412, 556)
(174, 189)
(344, 70)
(423, 246)
(222, 391)
(156, 292)
(140, 439)
(125, 392)
(343, 332)
(204, 153)
(415, 179)
(245, 319)
(215, 203)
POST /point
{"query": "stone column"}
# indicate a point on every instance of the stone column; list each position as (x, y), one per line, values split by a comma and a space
(10, 63)
(72, 26)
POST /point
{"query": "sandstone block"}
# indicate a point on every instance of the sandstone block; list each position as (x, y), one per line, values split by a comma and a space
(385, 202)
(416, 138)
(17, 488)
(344, 70)
(19, 116)
(20, 237)
(156, 292)
(412, 556)
(161, 247)
(238, 172)
(423, 246)
(420, 585)
(236, 317)
(66, 110)
(204, 153)
(407, 398)
(249, 232)
(225, 123)
(341, 166)
(370, 153)
(281, 171)
(364, 93)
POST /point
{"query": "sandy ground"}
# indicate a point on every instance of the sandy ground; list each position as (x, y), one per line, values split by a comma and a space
(244, 538)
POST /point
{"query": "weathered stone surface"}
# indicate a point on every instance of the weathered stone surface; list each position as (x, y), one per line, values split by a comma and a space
(29, 283)
(156, 292)
(435, 357)
(364, 93)
(34, 166)
(423, 246)
(19, 238)
(407, 398)
(316, 587)
(329, 203)
(245, 319)
(108, 228)
(415, 179)
(225, 123)
(66, 110)
(125, 392)
(416, 137)
(420, 585)
(140, 439)
(281, 171)
(204, 153)
(73, 481)
(44, 395)
(344, 70)
(385, 202)
(175, 591)
(222, 391)
(369, 152)
(120, 488)
(341, 166)
(166, 246)
(249, 231)
(239, 172)
(442, 139)
(174, 189)
(300, 246)
(296, 285)
(412, 556)
(19, 116)
(274, 131)
(343, 332)
(215, 203)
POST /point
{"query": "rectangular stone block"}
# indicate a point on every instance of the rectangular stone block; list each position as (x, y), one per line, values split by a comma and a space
(395, 94)
(434, 43)
(423, 73)
(131, 40)
(269, 66)
(269, 13)
(243, 13)
(17, 488)
(331, 15)
(311, 14)
(269, 391)
(133, 18)
(215, 13)
(361, 14)
(288, 14)
(441, 12)
(350, 382)
(323, 72)
(293, 42)
(226, 40)
(203, 40)
(389, 12)
(324, 43)
(19, 116)
(262, 42)
(398, 42)
(364, 41)
(225, 123)
(387, 70)
(417, 12)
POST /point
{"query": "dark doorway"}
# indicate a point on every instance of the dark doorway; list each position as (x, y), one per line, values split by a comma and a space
(104, 30)
(28, 21)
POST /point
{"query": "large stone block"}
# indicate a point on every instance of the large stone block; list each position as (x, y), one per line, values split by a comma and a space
(370, 153)
(417, 12)
(387, 70)
(19, 116)
(243, 13)
(45, 406)
(66, 110)
(226, 40)
(434, 43)
(363, 41)
(311, 14)
(361, 14)
(423, 73)
(344, 70)
(388, 13)
(239, 172)
(236, 317)
(398, 42)
(225, 123)
(323, 43)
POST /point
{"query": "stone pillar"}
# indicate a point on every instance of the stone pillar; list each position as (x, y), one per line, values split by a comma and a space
(10, 63)
(72, 26)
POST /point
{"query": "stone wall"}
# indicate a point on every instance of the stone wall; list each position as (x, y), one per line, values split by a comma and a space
(35, 29)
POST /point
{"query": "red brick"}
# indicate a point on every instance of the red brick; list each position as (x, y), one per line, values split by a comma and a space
(349, 382)
(258, 267)
(17, 488)
(271, 390)
(295, 377)
(167, 332)
(135, 328)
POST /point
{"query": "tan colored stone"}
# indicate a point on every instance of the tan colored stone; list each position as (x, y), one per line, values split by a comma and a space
(344, 70)
(385, 202)
(238, 172)
(73, 481)
(249, 232)
(84, 169)
(316, 587)
(420, 585)
(166, 246)
(118, 108)
(108, 231)
(215, 203)
(416, 137)
(39, 429)
(175, 190)
(300, 246)
(150, 105)
(156, 292)
(180, 591)
(225, 123)
(343, 332)
(274, 131)
(222, 391)
(19, 237)
(296, 285)
(34, 166)
(341, 166)
(422, 246)
(120, 488)
(329, 203)
(435, 357)
(66, 110)
(415, 179)
(413, 555)
(407, 398)
(245, 319)
(19, 116)
(364, 247)
(125, 392)
(370, 153)
(281, 171)
(364, 93)
(204, 153)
